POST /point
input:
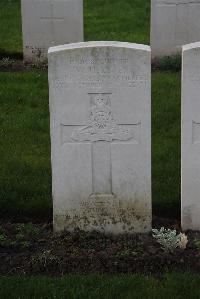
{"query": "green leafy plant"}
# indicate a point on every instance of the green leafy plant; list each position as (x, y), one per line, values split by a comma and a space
(21, 237)
(23, 232)
(26, 229)
(169, 239)
(124, 253)
(197, 243)
(5, 241)
(44, 260)
(39, 65)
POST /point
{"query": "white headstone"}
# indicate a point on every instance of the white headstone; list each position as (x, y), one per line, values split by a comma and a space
(47, 23)
(100, 105)
(173, 23)
(191, 137)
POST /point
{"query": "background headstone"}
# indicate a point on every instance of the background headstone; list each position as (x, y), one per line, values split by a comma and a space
(100, 105)
(174, 23)
(191, 137)
(47, 23)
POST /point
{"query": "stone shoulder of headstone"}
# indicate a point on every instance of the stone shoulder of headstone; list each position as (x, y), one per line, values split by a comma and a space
(92, 44)
(100, 112)
(190, 46)
(190, 139)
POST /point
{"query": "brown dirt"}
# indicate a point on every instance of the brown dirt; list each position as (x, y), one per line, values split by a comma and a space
(34, 249)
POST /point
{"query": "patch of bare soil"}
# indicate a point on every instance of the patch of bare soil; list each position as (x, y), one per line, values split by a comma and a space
(33, 249)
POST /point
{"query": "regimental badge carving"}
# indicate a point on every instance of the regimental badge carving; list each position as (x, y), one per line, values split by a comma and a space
(102, 126)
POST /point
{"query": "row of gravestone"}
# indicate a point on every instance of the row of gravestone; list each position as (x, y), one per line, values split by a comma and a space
(49, 23)
(100, 111)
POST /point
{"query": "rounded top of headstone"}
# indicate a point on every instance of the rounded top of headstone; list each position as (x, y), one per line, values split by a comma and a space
(191, 46)
(99, 44)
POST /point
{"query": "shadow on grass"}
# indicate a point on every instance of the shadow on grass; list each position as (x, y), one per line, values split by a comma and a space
(10, 55)
(167, 63)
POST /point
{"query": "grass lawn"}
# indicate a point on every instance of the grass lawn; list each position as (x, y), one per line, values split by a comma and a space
(173, 286)
(25, 174)
(124, 20)
(10, 24)
(166, 135)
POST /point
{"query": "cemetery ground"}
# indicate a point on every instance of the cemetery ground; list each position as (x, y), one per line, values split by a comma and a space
(27, 245)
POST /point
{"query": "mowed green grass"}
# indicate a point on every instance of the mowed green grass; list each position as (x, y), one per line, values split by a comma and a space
(166, 148)
(10, 24)
(25, 177)
(25, 173)
(123, 20)
(173, 286)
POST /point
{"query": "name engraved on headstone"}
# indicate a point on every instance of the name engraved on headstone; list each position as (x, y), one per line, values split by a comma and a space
(91, 73)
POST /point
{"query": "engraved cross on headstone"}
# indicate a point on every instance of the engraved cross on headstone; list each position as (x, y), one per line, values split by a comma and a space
(101, 131)
(182, 17)
(52, 20)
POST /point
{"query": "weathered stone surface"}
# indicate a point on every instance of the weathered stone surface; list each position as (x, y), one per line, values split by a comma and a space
(47, 23)
(100, 105)
(191, 137)
(174, 23)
